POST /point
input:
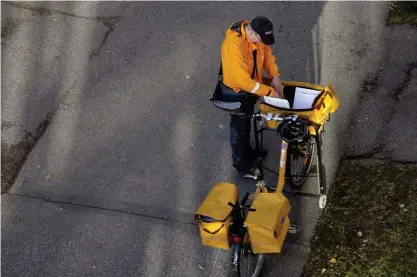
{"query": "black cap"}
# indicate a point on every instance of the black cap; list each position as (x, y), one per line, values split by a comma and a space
(263, 27)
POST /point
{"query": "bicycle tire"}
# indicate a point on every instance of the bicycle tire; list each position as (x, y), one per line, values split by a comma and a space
(235, 263)
(305, 159)
(259, 259)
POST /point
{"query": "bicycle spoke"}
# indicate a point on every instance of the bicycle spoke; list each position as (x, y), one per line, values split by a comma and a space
(300, 161)
(251, 264)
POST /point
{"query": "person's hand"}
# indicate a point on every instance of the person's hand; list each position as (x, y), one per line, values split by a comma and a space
(276, 85)
(276, 94)
(273, 93)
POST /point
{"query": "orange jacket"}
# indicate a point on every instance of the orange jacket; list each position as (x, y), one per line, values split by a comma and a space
(237, 63)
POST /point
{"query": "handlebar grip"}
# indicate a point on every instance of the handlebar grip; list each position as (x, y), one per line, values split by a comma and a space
(249, 116)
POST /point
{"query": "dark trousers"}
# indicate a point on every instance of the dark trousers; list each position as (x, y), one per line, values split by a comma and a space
(240, 131)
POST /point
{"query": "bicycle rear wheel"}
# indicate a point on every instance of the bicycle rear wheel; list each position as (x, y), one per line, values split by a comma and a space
(250, 264)
(299, 160)
(244, 262)
(235, 265)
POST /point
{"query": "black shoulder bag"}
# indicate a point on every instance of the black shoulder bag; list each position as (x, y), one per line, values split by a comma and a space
(226, 98)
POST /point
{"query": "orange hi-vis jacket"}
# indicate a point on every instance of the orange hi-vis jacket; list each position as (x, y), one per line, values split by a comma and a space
(237, 63)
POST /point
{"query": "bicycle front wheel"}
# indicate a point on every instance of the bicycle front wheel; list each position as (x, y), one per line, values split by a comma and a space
(299, 160)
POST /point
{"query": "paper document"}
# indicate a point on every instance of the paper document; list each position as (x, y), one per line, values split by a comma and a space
(303, 98)
(277, 102)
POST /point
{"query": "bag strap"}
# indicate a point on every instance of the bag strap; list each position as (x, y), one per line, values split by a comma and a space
(198, 216)
(212, 233)
(237, 28)
(254, 64)
(220, 75)
(259, 190)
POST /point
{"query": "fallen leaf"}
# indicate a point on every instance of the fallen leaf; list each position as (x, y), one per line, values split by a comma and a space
(333, 260)
(359, 234)
(402, 206)
(365, 241)
(405, 210)
(48, 177)
(323, 270)
(187, 77)
(200, 266)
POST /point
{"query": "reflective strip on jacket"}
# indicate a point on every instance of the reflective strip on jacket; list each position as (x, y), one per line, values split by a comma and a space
(237, 61)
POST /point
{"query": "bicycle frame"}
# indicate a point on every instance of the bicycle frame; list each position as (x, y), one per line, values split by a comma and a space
(322, 187)
(238, 231)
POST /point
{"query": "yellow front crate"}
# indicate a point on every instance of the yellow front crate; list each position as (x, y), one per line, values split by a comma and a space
(325, 103)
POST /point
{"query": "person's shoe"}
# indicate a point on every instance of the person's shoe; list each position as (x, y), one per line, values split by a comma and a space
(252, 174)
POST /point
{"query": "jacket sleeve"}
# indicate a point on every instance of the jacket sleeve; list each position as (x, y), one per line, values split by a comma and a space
(235, 66)
(270, 64)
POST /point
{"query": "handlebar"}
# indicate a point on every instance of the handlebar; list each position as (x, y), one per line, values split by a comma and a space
(276, 117)
(291, 128)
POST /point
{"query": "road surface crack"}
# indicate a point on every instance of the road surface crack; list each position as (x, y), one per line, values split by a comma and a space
(101, 208)
(125, 212)
(371, 84)
(406, 82)
(103, 41)
(107, 21)
(111, 23)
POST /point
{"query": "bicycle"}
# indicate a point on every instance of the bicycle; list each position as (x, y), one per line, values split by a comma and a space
(235, 227)
(293, 132)
(298, 146)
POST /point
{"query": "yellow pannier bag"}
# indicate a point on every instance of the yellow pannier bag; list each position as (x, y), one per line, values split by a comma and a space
(316, 109)
(214, 215)
(268, 222)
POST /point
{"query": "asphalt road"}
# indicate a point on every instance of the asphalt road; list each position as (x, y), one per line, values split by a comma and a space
(111, 187)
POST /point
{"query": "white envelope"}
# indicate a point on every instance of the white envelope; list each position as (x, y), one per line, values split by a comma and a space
(277, 102)
(303, 98)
